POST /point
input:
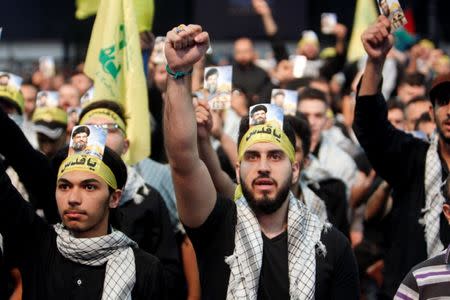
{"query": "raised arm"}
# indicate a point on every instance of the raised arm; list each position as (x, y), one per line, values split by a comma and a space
(389, 150)
(194, 189)
(263, 9)
(377, 41)
(30, 165)
(222, 182)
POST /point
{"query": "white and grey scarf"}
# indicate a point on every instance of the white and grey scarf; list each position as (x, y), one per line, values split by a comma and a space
(304, 231)
(114, 249)
(313, 202)
(135, 188)
(433, 199)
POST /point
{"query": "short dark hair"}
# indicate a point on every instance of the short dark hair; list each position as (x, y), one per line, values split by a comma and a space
(424, 118)
(309, 93)
(244, 126)
(258, 108)
(81, 129)
(416, 100)
(395, 104)
(300, 125)
(416, 79)
(211, 72)
(279, 93)
(107, 104)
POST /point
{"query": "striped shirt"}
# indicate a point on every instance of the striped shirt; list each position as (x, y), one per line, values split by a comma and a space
(428, 280)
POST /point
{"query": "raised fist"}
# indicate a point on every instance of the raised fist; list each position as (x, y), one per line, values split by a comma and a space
(185, 45)
(377, 39)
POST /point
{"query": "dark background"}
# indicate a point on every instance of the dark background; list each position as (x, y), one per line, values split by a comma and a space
(30, 20)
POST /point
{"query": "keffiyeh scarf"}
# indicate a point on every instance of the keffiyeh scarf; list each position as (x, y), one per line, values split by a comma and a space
(304, 232)
(114, 249)
(433, 199)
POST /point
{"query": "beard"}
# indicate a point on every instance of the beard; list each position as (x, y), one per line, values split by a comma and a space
(260, 121)
(266, 205)
(440, 131)
(78, 146)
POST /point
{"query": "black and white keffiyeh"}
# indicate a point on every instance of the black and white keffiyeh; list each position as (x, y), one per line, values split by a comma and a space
(433, 198)
(114, 249)
(313, 202)
(304, 231)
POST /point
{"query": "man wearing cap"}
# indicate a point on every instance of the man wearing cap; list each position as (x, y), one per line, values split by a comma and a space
(84, 257)
(415, 169)
(50, 125)
(251, 248)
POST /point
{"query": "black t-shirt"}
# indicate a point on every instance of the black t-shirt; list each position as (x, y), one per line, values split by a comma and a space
(274, 278)
(336, 273)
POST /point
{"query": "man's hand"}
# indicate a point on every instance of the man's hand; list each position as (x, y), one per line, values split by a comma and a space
(377, 39)
(340, 31)
(203, 118)
(261, 7)
(185, 45)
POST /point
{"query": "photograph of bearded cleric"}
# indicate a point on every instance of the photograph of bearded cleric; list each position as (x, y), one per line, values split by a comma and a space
(393, 11)
(217, 86)
(88, 139)
(266, 114)
(47, 99)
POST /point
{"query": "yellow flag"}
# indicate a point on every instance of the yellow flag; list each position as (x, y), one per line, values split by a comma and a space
(144, 10)
(365, 14)
(114, 62)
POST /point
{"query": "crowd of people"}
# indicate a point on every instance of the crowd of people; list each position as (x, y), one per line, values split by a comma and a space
(347, 198)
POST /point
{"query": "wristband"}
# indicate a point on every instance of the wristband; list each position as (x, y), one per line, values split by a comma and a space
(177, 75)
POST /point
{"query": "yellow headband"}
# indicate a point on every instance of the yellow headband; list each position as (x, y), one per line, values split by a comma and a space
(108, 113)
(266, 133)
(88, 163)
(50, 114)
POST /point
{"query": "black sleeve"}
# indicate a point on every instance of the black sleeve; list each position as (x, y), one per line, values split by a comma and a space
(150, 281)
(32, 166)
(391, 152)
(23, 231)
(222, 218)
(279, 48)
(164, 245)
(345, 282)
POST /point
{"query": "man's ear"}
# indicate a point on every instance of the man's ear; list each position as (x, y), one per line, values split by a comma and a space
(237, 170)
(114, 198)
(446, 211)
(126, 145)
(295, 172)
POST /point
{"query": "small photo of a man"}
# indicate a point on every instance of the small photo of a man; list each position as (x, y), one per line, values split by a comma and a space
(4, 79)
(266, 114)
(278, 97)
(211, 80)
(384, 7)
(258, 115)
(80, 137)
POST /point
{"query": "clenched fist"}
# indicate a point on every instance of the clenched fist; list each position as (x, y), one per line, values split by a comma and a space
(185, 45)
(377, 39)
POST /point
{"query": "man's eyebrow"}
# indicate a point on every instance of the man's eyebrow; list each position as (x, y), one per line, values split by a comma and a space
(90, 180)
(251, 152)
(62, 180)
